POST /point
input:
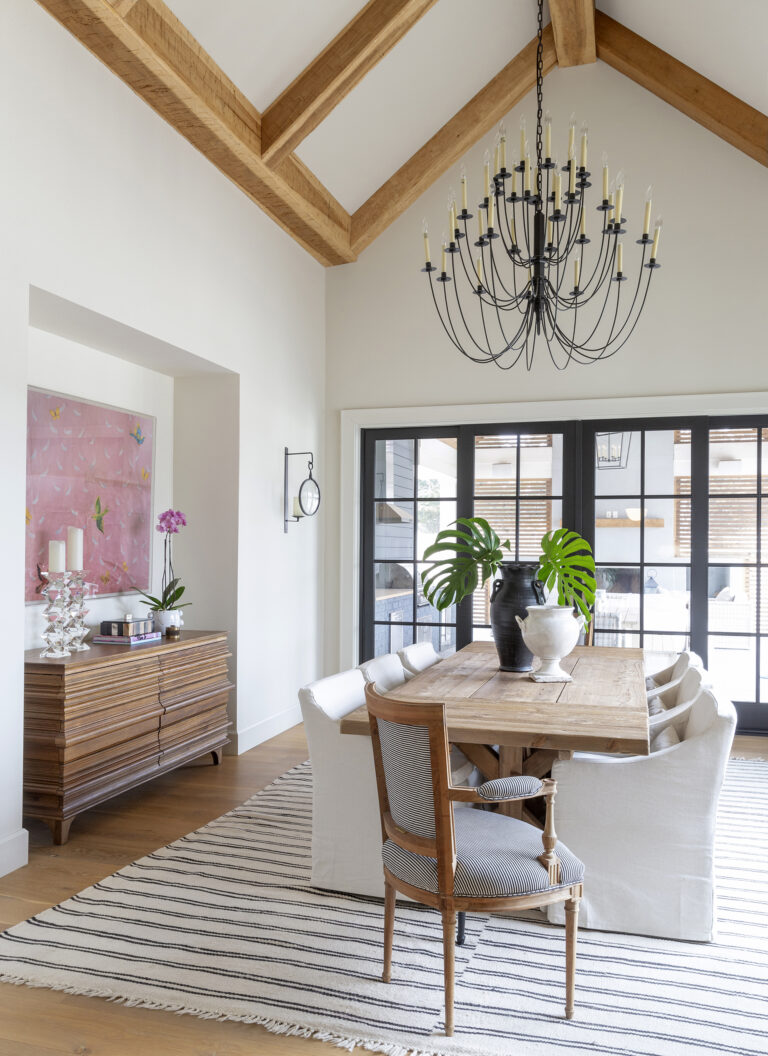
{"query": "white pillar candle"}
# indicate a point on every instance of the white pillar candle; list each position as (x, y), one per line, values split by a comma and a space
(503, 147)
(620, 258)
(425, 231)
(297, 510)
(463, 190)
(479, 271)
(647, 217)
(491, 202)
(558, 187)
(576, 272)
(619, 197)
(549, 232)
(571, 175)
(57, 555)
(480, 227)
(656, 236)
(583, 224)
(487, 175)
(571, 135)
(584, 134)
(605, 177)
(444, 258)
(75, 549)
(527, 184)
(496, 162)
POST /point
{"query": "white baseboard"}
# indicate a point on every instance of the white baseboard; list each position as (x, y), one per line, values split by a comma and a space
(244, 740)
(14, 851)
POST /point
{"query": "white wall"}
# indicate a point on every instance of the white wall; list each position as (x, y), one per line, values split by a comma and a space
(104, 205)
(205, 488)
(703, 329)
(58, 365)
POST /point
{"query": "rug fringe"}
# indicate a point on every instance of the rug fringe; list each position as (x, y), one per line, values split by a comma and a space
(274, 1026)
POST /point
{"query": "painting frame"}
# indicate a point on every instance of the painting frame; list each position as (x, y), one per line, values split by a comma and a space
(139, 417)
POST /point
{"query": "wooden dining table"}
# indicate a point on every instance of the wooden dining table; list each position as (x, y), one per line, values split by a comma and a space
(506, 723)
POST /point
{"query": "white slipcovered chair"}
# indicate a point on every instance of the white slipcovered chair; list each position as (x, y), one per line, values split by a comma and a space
(385, 671)
(346, 826)
(671, 706)
(644, 826)
(660, 681)
(418, 657)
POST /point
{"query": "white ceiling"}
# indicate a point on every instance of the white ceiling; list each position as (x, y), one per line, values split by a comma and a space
(725, 40)
(442, 62)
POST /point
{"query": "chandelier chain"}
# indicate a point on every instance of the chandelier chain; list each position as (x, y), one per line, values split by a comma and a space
(539, 94)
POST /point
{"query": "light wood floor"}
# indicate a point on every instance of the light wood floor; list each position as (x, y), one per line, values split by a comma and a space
(46, 1023)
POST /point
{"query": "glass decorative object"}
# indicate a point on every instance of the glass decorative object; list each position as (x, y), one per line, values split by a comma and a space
(75, 627)
(57, 601)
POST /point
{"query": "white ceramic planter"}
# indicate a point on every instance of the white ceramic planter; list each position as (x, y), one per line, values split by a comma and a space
(165, 618)
(550, 632)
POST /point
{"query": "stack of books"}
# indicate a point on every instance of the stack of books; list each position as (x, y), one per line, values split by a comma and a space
(127, 631)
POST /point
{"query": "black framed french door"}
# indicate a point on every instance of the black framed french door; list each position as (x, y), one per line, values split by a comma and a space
(523, 478)
(676, 510)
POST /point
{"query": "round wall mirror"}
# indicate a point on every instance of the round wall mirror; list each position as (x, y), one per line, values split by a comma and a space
(309, 496)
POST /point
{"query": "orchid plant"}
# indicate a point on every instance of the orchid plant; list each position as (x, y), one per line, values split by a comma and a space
(169, 522)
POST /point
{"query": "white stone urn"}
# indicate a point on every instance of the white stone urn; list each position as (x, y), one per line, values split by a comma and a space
(165, 618)
(551, 632)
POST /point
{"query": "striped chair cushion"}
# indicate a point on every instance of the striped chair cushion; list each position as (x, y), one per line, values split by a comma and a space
(408, 775)
(504, 788)
(496, 857)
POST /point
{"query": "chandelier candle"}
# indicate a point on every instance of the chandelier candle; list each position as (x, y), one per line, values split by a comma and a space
(497, 303)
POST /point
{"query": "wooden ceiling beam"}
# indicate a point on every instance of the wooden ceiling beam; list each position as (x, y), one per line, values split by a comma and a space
(452, 141)
(688, 91)
(573, 23)
(152, 51)
(335, 72)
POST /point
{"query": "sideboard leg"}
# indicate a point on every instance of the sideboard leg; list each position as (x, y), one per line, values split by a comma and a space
(218, 756)
(60, 830)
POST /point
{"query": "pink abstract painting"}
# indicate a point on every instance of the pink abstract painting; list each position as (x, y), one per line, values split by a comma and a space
(91, 467)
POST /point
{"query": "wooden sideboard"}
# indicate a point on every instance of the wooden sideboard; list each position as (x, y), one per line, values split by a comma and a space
(99, 722)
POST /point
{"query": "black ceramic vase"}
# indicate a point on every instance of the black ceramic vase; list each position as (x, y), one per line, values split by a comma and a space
(512, 594)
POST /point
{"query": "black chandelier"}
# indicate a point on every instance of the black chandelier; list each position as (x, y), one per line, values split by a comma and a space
(539, 230)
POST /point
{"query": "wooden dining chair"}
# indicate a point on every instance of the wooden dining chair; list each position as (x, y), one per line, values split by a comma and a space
(463, 860)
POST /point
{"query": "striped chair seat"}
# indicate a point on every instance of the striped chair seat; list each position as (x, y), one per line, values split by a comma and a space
(496, 857)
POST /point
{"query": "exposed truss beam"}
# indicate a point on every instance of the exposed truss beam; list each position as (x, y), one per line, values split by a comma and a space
(158, 58)
(700, 99)
(335, 72)
(449, 144)
(573, 22)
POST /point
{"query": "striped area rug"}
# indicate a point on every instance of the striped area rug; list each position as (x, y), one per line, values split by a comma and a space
(222, 924)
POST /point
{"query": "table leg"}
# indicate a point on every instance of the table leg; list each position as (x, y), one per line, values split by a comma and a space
(510, 764)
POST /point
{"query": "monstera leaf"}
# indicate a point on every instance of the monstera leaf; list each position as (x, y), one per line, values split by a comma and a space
(566, 562)
(465, 557)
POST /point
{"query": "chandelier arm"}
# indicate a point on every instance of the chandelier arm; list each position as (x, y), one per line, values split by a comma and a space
(605, 264)
(569, 357)
(509, 344)
(471, 336)
(588, 358)
(617, 336)
(454, 341)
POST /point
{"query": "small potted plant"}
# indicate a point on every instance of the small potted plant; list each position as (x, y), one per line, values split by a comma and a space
(468, 555)
(166, 610)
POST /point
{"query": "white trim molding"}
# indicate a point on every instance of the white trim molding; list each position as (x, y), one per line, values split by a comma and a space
(354, 421)
(264, 730)
(14, 851)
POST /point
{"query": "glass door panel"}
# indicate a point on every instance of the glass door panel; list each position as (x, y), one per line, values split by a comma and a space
(518, 481)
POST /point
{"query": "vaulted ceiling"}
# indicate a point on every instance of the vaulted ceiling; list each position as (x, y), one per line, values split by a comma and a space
(335, 117)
